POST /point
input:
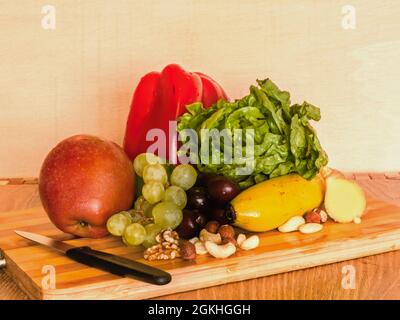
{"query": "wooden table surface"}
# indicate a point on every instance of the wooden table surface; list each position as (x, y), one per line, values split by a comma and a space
(377, 277)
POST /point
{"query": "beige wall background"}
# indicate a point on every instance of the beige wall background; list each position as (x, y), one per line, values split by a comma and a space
(79, 78)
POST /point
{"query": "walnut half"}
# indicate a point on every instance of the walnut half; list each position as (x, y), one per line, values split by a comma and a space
(167, 247)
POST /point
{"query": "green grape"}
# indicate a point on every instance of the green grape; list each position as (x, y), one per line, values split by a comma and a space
(134, 234)
(176, 195)
(167, 215)
(143, 160)
(117, 223)
(137, 216)
(153, 192)
(184, 176)
(133, 215)
(152, 230)
(128, 215)
(155, 172)
(141, 204)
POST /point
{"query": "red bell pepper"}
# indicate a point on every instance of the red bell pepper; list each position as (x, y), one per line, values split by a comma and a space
(161, 97)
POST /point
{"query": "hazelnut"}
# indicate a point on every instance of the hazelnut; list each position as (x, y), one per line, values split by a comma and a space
(226, 231)
(313, 216)
(212, 226)
(188, 250)
(231, 240)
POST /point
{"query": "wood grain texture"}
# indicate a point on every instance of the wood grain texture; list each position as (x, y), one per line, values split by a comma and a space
(375, 279)
(79, 78)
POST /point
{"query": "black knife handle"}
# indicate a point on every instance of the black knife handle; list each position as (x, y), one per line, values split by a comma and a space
(118, 265)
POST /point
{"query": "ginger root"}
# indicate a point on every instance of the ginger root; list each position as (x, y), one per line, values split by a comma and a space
(344, 199)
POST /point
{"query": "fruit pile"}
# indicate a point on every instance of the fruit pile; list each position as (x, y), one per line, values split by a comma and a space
(88, 185)
(206, 201)
(175, 201)
(160, 205)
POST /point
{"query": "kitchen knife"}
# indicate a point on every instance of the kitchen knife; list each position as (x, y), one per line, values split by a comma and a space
(102, 260)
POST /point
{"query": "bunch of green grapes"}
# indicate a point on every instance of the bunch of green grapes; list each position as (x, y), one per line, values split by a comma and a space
(161, 202)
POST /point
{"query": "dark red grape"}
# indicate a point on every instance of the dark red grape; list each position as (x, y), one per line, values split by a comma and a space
(202, 179)
(218, 214)
(222, 190)
(197, 198)
(200, 218)
(188, 227)
(192, 222)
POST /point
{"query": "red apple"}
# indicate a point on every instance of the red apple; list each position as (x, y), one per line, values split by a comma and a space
(83, 181)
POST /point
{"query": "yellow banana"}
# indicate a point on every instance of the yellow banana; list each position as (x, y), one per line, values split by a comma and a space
(269, 204)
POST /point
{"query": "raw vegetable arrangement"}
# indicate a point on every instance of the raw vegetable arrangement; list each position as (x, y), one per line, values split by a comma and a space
(91, 187)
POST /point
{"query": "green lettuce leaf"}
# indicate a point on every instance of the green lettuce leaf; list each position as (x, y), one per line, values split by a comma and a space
(284, 140)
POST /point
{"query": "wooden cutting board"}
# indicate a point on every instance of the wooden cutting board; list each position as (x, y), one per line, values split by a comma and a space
(29, 263)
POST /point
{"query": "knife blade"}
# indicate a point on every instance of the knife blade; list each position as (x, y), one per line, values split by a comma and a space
(102, 260)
